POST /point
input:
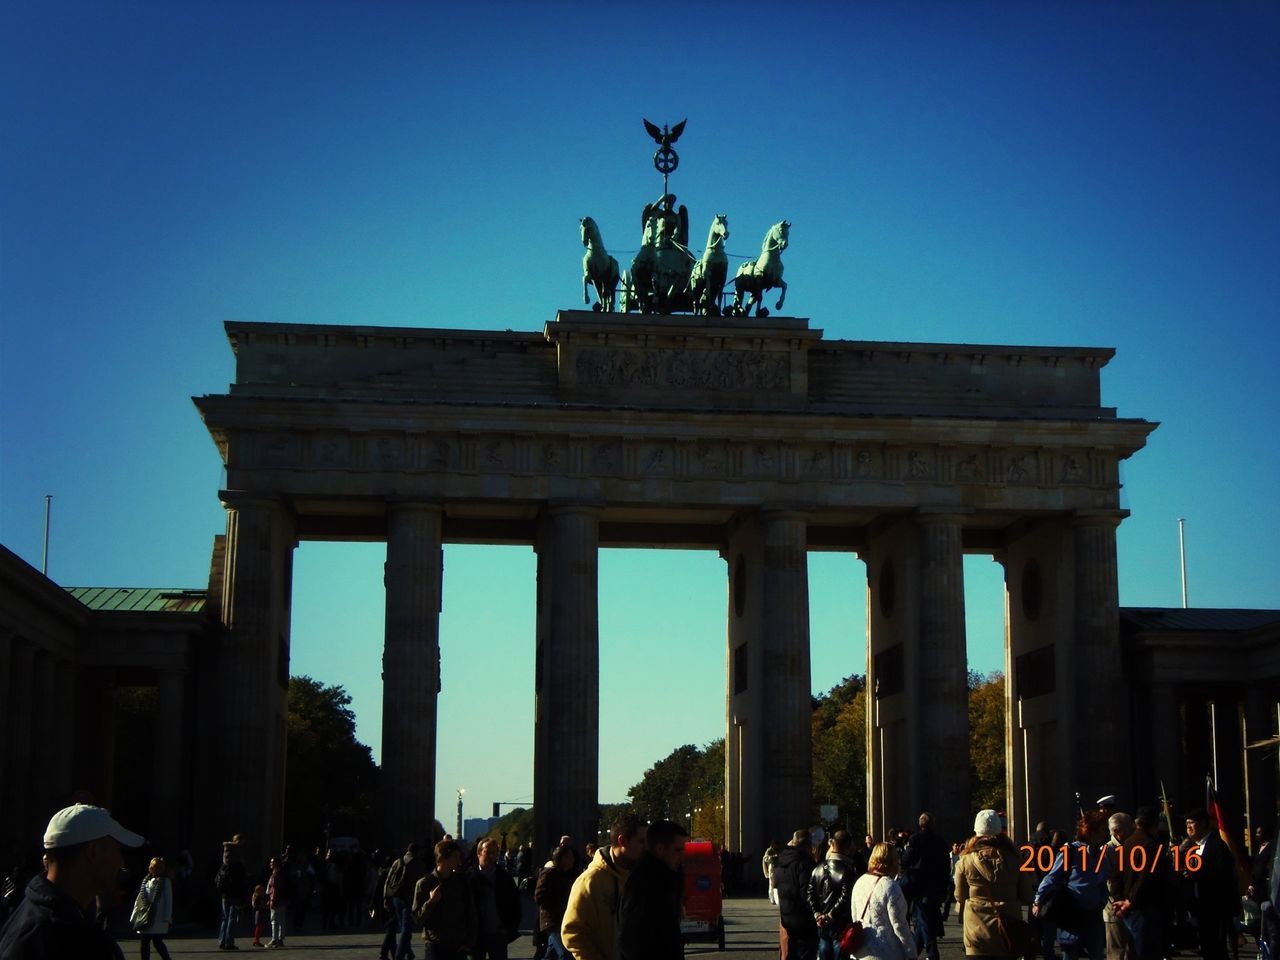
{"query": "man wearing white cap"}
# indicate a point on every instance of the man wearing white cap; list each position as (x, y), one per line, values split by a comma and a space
(82, 847)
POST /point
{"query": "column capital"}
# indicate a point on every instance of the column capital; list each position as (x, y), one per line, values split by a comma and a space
(565, 508)
(246, 500)
(408, 505)
(770, 512)
(1098, 518)
(940, 516)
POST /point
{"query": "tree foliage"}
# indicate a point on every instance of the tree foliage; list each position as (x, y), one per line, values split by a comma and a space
(839, 744)
(686, 786)
(330, 777)
(986, 741)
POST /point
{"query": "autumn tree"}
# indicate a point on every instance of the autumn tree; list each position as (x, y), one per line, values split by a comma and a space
(839, 746)
(986, 741)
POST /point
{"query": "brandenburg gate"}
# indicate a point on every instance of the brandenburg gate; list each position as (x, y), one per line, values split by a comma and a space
(756, 437)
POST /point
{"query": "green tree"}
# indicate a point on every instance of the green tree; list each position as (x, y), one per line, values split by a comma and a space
(986, 741)
(330, 777)
(686, 786)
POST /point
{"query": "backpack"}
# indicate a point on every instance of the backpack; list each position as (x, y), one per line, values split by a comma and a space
(395, 880)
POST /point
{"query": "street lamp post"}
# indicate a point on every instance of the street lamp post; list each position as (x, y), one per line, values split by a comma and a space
(461, 791)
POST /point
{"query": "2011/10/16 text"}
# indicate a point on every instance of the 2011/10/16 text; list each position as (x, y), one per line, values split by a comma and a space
(1040, 858)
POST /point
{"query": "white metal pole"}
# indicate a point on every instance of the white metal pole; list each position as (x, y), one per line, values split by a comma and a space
(1182, 553)
(1026, 771)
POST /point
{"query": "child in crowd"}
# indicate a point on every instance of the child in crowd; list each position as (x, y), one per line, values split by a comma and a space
(261, 914)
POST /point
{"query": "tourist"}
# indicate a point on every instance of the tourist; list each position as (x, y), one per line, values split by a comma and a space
(590, 919)
(797, 933)
(649, 914)
(82, 847)
(551, 894)
(1213, 892)
(1080, 923)
(277, 901)
(232, 885)
(990, 888)
(766, 864)
(1137, 889)
(926, 863)
(878, 904)
(155, 899)
(261, 908)
(399, 889)
(830, 889)
(445, 906)
(497, 903)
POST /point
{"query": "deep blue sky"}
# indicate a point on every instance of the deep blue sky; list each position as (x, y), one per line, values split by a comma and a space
(1074, 173)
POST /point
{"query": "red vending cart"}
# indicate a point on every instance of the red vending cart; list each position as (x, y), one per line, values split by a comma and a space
(701, 918)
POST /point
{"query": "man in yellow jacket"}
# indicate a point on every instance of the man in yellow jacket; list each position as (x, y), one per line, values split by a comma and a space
(591, 917)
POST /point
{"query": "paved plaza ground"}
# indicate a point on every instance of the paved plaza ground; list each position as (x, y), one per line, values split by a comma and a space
(751, 934)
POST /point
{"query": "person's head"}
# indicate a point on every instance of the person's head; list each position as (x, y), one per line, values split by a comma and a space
(565, 841)
(957, 847)
(1120, 826)
(926, 821)
(412, 848)
(841, 842)
(987, 824)
(665, 840)
(487, 853)
(1148, 819)
(156, 867)
(1197, 824)
(884, 860)
(589, 849)
(626, 838)
(274, 865)
(259, 891)
(869, 840)
(82, 849)
(448, 857)
(1092, 828)
(1107, 804)
(799, 838)
(562, 857)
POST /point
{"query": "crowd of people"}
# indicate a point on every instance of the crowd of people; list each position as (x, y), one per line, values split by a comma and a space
(1118, 888)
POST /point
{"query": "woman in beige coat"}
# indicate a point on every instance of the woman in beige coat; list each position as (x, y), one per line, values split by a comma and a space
(991, 891)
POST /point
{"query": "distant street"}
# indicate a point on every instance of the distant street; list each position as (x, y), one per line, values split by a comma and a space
(751, 934)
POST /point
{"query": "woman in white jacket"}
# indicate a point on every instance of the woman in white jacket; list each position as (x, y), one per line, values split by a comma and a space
(877, 901)
(158, 892)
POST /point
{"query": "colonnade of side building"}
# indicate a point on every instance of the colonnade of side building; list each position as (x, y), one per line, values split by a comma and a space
(1064, 716)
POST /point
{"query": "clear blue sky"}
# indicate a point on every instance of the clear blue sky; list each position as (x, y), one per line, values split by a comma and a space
(1094, 174)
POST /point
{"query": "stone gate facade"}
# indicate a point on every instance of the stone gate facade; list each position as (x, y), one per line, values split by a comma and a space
(754, 437)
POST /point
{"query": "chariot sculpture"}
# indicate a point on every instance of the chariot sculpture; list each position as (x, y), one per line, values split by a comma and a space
(666, 276)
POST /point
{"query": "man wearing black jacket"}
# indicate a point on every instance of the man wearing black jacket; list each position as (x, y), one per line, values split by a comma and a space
(791, 872)
(649, 915)
(830, 888)
(82, 848)
(927, 865)
(1214, 900)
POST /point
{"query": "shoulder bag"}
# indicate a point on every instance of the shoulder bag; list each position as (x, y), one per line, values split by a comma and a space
(855, 934)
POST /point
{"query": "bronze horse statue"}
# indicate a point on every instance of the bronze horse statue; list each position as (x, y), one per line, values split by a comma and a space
(764, 273)
(706, 282)
(598, 268)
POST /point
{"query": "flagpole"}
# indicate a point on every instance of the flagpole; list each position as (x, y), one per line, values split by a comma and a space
(1213, 739)
(1244, 754)
(1182, 554)
(1168, 820)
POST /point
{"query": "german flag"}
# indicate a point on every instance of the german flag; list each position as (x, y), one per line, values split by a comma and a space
(1243, 876)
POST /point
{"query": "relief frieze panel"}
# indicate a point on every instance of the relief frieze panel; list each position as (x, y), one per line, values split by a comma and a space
(698, 369)
(763, 460)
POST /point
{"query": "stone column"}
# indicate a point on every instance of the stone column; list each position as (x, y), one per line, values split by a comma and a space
(411, 672)
(166, 788)
(40, 792)
(943, 675)
(254, 673)
(21, 709)
(787, 764)
(1100, 693)
(567, 698)
(105, 779)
